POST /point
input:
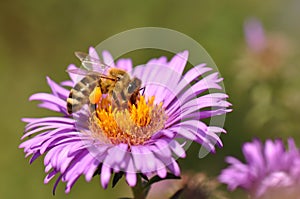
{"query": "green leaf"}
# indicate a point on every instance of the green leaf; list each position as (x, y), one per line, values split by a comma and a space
(116, 178)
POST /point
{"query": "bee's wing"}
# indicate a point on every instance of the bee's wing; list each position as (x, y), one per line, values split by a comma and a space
(91, 63)
(79, 71)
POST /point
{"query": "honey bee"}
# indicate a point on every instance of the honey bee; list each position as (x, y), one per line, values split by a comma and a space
(117, 86)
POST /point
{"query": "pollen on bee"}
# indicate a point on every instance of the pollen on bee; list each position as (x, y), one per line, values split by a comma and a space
(133, 126)
(95, 96)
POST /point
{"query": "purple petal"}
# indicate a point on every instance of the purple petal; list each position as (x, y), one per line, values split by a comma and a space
(179, 61)
(174, 168)
(34, 157)
(131, 179)
(105, 175)
(138, 71)
(118, 152)
(57, 90)
(207, 114)
(36, 130)
(209, 82)
(137, 157)
(48, 168)
(55, 184)
(108, 59)
(190, 135)
(149, 160)
(67, 83)
(162, 148)
(125, 64)
(74, 77)
(32, 121)
(255, 36)
(50, 176)
(272, 152)
(91, 170)
(160, 169)
(186, 81)
(77, 166)
(49, 106)
(70, 183)
(177, 149)
(165, 133)
(253, 155)
(93, 53)
(51, 99)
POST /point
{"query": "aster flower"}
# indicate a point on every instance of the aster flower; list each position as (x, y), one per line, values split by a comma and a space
(140, 140)
(270, 171)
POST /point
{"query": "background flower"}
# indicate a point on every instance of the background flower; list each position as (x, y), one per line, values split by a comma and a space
(191, 185)
(270, 170)
(266, 79)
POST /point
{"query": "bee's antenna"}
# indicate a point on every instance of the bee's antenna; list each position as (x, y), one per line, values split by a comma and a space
(143, 88)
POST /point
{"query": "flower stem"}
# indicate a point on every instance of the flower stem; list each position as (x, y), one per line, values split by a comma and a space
(138, 190)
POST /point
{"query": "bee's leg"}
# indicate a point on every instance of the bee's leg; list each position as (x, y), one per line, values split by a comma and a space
(115, 99)
(92, 108)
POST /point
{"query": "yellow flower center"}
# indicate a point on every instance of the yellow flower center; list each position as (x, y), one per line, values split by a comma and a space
(132, 126)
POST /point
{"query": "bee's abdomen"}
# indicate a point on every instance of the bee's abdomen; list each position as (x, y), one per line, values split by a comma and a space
(79, 95)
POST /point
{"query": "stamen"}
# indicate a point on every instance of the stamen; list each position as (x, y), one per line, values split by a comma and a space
(140, 115)
(132, 126)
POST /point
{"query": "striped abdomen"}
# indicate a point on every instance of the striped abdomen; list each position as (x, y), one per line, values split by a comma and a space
(79, 95)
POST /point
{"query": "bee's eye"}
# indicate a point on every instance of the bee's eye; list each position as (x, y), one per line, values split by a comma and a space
(130, 88)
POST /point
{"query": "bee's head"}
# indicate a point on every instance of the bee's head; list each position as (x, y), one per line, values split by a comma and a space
(118, 73)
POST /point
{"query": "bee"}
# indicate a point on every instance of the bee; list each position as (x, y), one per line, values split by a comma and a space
(117, 86)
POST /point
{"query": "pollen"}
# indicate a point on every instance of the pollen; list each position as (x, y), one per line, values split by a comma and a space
(140, 114)
(133, 126)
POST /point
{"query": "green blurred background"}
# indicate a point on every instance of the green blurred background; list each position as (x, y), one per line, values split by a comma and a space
(38, 38)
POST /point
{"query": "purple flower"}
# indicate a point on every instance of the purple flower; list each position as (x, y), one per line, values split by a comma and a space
(270, 169)
(255, 35)
(140, 139)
